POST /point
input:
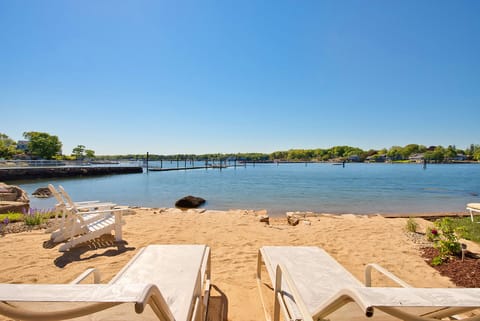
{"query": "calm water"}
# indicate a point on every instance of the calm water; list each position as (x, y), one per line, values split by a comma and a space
(357, 188)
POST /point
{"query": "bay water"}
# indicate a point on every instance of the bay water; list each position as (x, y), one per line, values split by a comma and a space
(318, 187)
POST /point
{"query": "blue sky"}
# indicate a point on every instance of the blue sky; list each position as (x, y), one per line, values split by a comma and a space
(170, 77)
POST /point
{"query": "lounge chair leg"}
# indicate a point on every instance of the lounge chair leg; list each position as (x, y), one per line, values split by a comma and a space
(276, 291)
(118, 226)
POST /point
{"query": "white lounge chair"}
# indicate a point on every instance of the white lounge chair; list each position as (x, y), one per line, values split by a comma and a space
(78, 230)
(173, 280)
(473, 208)
(310, 285)
(85, 205)
(62, 207)
(77, 226)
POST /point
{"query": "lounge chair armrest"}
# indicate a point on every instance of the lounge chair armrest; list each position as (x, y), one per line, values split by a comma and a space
(98, 215)
(390, 275)
(85, 274)
(103, 211)
(96, 297)
(155, 299)
(86, 202)
(282, 272)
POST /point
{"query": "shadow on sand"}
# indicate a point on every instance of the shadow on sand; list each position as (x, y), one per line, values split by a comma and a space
(77, 253)
(217, 305)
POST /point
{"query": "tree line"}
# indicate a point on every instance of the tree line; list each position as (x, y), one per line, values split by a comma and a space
(45, 146)
(40, 145)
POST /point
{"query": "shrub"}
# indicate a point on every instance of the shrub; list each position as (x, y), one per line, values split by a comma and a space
(445, 240)
(35, 216)
(431, 234)
(411, 225)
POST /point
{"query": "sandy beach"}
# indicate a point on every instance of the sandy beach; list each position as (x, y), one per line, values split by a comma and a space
(234, 237)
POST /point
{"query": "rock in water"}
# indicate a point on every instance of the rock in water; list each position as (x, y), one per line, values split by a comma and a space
(42, 192)
(189, 202)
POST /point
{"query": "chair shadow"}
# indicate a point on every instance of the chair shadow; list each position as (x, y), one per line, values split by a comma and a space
(77, 253)
(217, 306)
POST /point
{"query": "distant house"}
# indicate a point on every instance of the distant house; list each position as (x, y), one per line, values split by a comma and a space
(460, 157)
(354, 158)
(22, 145)
(416, 158)
(376, 158)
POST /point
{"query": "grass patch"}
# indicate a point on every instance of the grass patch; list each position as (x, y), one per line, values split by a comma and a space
(467, 229)
(12, 217)
(31, 217)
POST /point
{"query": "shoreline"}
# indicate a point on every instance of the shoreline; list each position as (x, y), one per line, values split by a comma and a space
(234, 237)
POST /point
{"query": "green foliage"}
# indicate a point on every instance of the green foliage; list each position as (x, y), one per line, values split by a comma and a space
(43, 145)
(47, 146)
(8, 147)
(437, 261)
(12, 217)
(89, 153)
(79, 152)
(411, 225)
(467, 229)
(445, 240)
(437, 155)
(431, 234)
(31, 217)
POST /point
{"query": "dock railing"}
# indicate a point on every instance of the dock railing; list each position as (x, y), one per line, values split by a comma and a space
(60, 163)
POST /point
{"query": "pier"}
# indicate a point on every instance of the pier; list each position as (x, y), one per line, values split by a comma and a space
(11, 174)
(165, 169)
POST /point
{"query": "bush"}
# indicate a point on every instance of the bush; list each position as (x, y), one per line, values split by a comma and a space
(445, 240)
(411, 225)
(35, 216)
(32, 217)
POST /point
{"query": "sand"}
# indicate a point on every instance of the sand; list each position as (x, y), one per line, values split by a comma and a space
(234, 237)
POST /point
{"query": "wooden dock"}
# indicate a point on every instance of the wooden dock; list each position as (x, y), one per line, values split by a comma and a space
(166, 169)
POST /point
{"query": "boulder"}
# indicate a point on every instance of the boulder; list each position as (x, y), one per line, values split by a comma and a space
(13, 207)
(189, 202)
(12, 193)
(42, 192)
(292, 220)
(265, 219)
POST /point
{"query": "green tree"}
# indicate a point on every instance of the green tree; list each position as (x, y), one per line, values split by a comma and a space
(437, 155)
(395, 153)
(43, 145)
(476, 154)
(79, 152)
(7, 146)
(89, 153)
(451, 152)
(410, 149)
